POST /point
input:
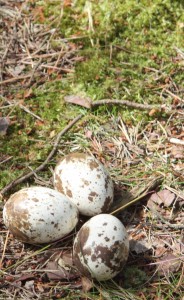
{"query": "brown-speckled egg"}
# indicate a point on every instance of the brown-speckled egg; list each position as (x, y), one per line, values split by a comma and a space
(39, 215)
(101, 247)
(86, 182)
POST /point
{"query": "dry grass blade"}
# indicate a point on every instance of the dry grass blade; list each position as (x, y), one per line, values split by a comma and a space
(114, 290)
(121, 208)
(4, 249)
(137, 194)
(2, 271)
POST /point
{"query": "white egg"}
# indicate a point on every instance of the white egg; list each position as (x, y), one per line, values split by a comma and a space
(101, 247)
(39, 215)
(86, 182)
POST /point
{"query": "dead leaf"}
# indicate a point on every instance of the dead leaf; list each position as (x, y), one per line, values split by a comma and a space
(61, 268)
(164, 197)
(158, 244)
(85, 102)
(169, 264)
(87, 284)
(4, 124)
(66, 259)
(139, 246)
(54, 271)
(28, 93)
(177, 151)
(152, 205)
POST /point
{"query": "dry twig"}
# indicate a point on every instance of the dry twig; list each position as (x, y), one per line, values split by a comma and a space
(4, 249)
(149, 107)
(123, 102)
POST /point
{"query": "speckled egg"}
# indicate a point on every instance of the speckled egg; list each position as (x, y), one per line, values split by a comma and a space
(101, 247)
(86, 182)
(39, 215)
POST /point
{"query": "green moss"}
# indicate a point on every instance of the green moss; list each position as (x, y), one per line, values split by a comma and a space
(134, 277)
(128, 53)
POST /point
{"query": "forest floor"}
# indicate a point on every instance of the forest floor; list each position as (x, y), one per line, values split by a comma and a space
(118, 69)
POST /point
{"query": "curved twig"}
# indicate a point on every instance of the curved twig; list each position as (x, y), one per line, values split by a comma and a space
(21, 179)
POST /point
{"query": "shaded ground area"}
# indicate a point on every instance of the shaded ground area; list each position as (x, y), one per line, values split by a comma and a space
(98, 51)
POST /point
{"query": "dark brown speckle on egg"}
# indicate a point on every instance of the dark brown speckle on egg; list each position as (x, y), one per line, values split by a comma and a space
(58, 184)
(79, 245)
(68, 192)
(107, 204)
(93, 164)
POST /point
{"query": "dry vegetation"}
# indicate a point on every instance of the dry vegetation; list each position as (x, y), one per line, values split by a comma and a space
(139, 140)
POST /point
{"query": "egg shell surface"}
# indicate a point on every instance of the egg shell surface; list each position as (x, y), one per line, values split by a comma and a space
(101, 247)
(39, 215)
(86, 182)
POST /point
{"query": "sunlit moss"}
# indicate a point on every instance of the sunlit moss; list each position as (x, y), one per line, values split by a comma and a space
(128, 51)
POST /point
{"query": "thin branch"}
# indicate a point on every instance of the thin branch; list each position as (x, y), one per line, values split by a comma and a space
(33, 73)
(5, 160)
(15, 104)
(29, 112)
(173, 95)
(165, 226)
(159, 108)
(123, 102)
(43, 165)
(165, 222)
(14, 79)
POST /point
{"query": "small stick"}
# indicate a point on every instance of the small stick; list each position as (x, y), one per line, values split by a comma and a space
(21, 179)
(174, 96)
(14, 79)
(173, 226)
(15, 104)
(5, 160)
(166, 223)
(134, 105)
(43, 55)
(30, 112)
(4, 249)
(66, 70)
(35, 67)
(124, 102)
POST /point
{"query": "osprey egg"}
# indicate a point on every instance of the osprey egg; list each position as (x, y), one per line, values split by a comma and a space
(86, 182)
(39, 215)
(101, 247)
